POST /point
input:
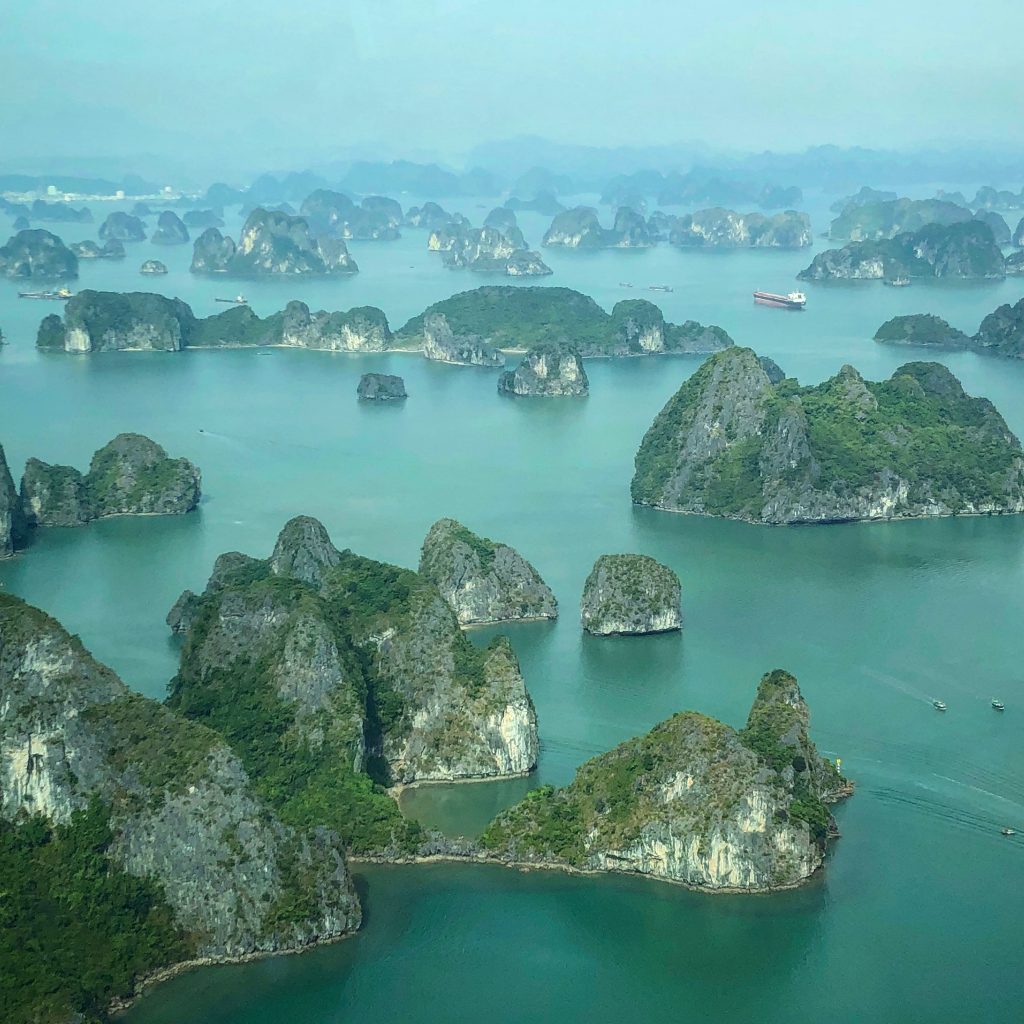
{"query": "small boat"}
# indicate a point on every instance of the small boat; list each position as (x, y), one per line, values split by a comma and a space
(625, 284)
(939, 705)
(1008, 831)
(793, 300)
(998, 705)
(899, 281)
(61, 295)
(659, 288)
(238, 300)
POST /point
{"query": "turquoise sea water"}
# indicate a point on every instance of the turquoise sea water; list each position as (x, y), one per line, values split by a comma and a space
(916, 917)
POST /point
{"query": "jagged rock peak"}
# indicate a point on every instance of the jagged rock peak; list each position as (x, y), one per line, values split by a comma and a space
(304, 551)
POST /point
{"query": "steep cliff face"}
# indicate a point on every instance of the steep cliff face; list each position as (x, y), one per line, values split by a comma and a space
(483, 580)
(122, 227)
(966, 250)
(578, 228)
(727, 229)
(133, 475)
(212, 253)
(630, 230)
(35, 253)
(54, 495)
(1002, 331)
(123, 321)
(362, 329)
(384, 680)
(170, 230)
(630, 595)
(693, 801)
(381, 387)
(12, 518)
(547, 371)
(181, 807)
(441, 344)
(732, 443)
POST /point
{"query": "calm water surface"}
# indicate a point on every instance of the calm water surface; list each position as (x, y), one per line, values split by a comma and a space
(917, 917)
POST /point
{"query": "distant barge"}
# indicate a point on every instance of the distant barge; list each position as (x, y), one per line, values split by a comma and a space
(794, 300)
(61, 295)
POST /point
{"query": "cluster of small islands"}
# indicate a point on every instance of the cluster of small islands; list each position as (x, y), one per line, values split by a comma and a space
(315, 683)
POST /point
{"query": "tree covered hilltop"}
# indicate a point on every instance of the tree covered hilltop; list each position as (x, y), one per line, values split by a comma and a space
(732, 443)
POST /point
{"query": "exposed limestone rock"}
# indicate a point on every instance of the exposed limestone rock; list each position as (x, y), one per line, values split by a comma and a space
(482, 580)
(629, 595)
(547, 370)
(54, 495)
(381, 387)
(727, 229)
(363, 329)
(693, 801)
(153, 267)
(442, 345)
(114, 321)
(13, 533)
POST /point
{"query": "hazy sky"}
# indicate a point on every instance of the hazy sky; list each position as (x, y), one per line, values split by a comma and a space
(258, 84)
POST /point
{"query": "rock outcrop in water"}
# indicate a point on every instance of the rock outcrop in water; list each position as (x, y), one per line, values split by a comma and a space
(694, 801)
(726, 229)
(131, 475)
(375, 218)
(185, 856)
(13, 533)
(122, 227)
(153, 268)
(35, 253)
(965, 250)
(170, 230)
(629, 595)
(1001, 332)
(547, 371)
(731, 443)
(482, 580)
(429, 216)
(59, 211)
(921, 329)
(441, 344)
(504, 316)
(202, 219)
(381, 387)
(357, 666)
(872, 221)
(580, 228)
(89, 250)
(271, 243)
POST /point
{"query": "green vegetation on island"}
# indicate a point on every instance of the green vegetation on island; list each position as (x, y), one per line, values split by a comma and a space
(1001, 333)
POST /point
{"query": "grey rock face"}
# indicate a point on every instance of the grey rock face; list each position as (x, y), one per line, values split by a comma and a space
(12, 520)
(182, 810)
(35, 253)
(123, 227)
(133, 475)
(212, 253)
(276, 243)
(170, 230)
(54, 495)
(381, 387)
(526, 263)
(482, 580)
(363, 329)
(547, 371)
(630, 230)
(630, 594)
(578, 228)
(129, 321)
(304, 551)
(442, 345)
(727, 229)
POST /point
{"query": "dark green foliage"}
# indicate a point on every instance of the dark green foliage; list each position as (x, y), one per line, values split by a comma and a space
(921, 329)
(100, 313)
(51, 333)
(238, 325)
(545, 823)
(75, 930)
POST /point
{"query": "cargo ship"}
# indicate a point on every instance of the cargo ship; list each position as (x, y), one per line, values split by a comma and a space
(794, 300)
(61, 295)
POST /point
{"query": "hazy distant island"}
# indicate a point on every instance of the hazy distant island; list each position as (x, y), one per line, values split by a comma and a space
(874, 220)
(478, 324)
(1001, 333)
(36, 253)
(271, 243)
(965, 250)
(170, 230)
(89, 250)
(580, 228)
(497, 247)
(43, 210)
(693, 801)
(727, 229)
(731, 443)
(334, 214)
(153, 268)
(122, 227)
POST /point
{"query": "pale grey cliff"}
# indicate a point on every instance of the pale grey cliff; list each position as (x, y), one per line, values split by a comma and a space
(630, 595)
(442, 345)
(720, 228)
(483, 580)
(547, 371)
(12, 519)
(362, 329)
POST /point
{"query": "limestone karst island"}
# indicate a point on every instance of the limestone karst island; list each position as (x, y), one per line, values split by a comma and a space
(511, 513)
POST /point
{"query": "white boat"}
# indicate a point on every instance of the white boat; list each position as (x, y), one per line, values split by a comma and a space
(998, 705)
(1008, 831)
(939, 705)
(238, 300)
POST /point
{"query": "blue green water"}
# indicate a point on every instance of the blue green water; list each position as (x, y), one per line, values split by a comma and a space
(916, 917)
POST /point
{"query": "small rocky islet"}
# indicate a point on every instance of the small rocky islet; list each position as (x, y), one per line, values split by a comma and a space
(630, 595)
(381, 387)
(1000, 333)
(130, 475)
(547, 371)
(735, 444)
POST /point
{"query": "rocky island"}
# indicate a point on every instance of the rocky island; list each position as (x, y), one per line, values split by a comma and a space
(132, 840)
(719, 228)
(965, 250)
(629, 595)
(334, 214)
(122, 227)
(731, 443)
(35, 253)
(381, 387)
(153, 268)
(89, 250)
(130, 475)
(517, 319)
(1001, 332)
(271, 243)
(872, 221)
(170, 230)
(341, 674)
(694, 802)
(482, 580)
(580, 228)
(547, 371)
